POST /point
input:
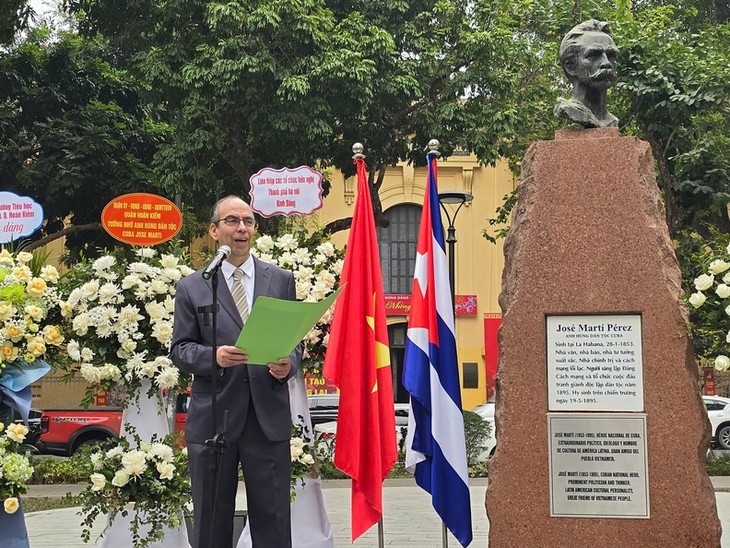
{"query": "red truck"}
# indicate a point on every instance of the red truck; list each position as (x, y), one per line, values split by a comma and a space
(64, 431)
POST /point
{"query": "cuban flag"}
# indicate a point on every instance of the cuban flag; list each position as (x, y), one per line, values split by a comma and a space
(435, 446)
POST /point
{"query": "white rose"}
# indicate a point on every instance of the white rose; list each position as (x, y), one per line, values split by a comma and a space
(704, 282)
(156, 311)
(90, 373)
(697, 299)
(111, 372)
(287, 242)
(50, 274)
(168, 261)
(134, 462)
(162, 331)
(146, 252)
(24, 257)
(90, 290)
(165, 469)
(16, 432)
(11, 505)
(35, 312)
(302, 256)
(98, 481)
(81, 323)
(307, 459)
(120, 479)
(303, 273)
(723, 291)
(722, 363)
(172, 274)
(718, 266)
(87, 354)
(327, 249)
(264, 243)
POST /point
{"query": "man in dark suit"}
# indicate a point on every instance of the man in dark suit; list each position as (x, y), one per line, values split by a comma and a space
(254, 395)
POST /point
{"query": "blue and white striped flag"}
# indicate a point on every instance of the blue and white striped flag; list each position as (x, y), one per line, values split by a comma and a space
(435, 446)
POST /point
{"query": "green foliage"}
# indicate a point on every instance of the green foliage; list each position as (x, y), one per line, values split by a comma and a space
(476, 434)
(74, 469)
(706, 280)
(675, 82)
(75, 132)
(718, 465)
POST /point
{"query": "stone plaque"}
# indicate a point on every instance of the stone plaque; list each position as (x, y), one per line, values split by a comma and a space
(594, 363)
(598, 465)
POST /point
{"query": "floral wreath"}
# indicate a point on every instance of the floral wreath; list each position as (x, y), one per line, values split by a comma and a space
(118, 316)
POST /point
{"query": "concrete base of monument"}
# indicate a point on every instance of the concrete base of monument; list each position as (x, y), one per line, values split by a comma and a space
(594, 358)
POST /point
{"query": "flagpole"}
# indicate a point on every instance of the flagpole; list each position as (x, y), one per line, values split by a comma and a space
(358, 149)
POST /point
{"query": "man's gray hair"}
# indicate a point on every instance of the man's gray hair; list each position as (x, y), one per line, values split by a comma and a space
(569, 47)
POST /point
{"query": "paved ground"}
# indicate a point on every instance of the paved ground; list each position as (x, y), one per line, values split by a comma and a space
(409, 522)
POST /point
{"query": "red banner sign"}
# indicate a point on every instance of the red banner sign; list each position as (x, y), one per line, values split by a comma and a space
(491, 350)
(709, 381)
(141, 219)
(399, 304)
(466, 305)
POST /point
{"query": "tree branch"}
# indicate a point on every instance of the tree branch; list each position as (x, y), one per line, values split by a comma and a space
(60, 234)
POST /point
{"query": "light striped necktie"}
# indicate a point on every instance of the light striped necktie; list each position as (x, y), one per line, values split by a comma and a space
(239, 294)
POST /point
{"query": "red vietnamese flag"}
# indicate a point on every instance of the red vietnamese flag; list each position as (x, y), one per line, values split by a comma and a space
(358, 362)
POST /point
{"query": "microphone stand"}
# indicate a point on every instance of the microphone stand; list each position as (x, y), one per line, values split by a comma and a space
(218, 443)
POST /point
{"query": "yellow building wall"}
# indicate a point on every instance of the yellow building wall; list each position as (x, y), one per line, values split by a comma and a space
(478, 264)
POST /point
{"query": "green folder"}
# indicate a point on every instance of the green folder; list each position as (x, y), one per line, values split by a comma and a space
(276, 326)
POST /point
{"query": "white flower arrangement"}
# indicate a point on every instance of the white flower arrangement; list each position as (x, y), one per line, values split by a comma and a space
(15, 468)
(709, 303)
(317, 265)
(303, 464)
(118, 316)
(29, 300)
(151, 475)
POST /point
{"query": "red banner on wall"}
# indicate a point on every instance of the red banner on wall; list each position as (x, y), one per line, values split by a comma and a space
(708, 376)
(399, 304)
(491, 351)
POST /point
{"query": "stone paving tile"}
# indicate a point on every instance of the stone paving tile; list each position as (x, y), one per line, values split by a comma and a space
(410, 521)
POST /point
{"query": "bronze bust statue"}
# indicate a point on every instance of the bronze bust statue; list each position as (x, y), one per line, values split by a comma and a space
(588, 56)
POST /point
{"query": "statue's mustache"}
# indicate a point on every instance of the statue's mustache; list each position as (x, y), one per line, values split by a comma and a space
(603, 74)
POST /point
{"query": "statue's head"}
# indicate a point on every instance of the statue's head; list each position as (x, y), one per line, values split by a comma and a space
(588, 55)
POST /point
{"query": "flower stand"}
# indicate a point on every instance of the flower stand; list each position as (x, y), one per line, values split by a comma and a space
(13, 533)
(147, 416)
(118, 534)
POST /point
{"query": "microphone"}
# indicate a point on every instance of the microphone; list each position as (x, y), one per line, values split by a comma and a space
(220, 256)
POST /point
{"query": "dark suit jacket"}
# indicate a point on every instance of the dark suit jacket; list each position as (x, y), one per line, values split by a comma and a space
(192, 349)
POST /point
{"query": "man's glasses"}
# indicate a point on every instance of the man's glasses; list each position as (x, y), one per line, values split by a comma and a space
(233, 220)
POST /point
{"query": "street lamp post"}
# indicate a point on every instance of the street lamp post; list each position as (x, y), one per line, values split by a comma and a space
(457, 199)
